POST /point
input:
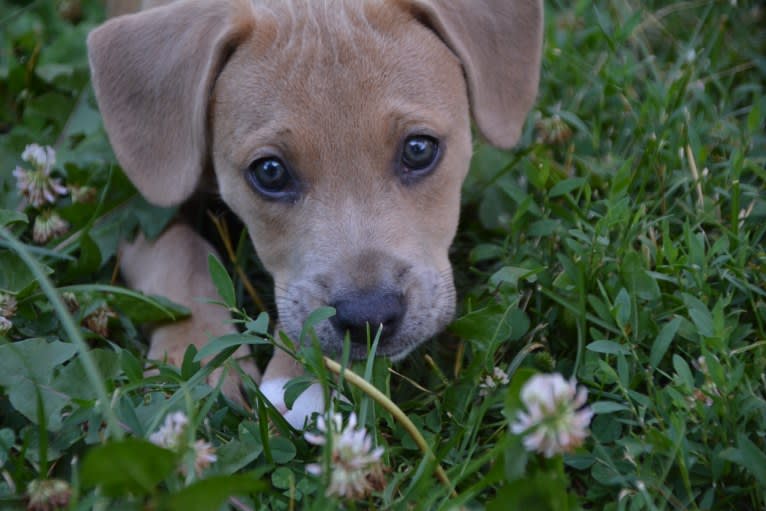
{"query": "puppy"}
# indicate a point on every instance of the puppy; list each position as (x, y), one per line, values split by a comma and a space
(339, 131)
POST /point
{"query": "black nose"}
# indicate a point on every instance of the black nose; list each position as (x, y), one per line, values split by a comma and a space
(353, 312)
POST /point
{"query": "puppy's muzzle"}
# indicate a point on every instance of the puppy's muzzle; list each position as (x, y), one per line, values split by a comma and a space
(358, 311)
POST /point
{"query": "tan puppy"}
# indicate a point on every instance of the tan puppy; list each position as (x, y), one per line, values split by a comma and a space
(337, 130)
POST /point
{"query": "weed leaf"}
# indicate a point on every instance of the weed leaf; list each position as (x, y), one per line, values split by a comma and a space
(211, 493)
(222, 281)
(29, 365)
(662, 342)
(133, 466)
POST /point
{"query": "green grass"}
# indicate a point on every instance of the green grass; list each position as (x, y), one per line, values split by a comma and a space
(623, 243)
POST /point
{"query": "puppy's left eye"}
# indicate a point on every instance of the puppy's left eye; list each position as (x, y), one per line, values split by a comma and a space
(419, 155)
(419, 152)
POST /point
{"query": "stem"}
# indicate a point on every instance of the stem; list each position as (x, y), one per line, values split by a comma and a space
(397, 412)
(71, 329)
(223, 233)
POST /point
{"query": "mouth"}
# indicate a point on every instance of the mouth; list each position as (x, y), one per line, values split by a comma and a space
(395, 346)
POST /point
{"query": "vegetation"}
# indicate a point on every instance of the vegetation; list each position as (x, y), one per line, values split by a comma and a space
(622, 243)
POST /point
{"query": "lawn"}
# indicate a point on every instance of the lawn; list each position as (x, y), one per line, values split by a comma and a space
(621, 244)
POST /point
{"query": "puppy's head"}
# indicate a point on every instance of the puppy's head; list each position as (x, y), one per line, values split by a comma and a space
(339, 132)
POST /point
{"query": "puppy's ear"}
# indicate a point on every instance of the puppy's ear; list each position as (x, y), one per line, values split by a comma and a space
(499, 43)
(153, 73)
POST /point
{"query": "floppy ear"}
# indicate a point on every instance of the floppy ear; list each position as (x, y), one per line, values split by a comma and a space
(153, 73)
(499, 43)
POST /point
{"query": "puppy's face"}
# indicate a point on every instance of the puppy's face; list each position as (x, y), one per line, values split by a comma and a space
(338, 130)
(341, 137)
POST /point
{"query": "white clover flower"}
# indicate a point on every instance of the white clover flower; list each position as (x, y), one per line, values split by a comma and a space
(172, 435)
(48, 494)
(70, 300)
(7, 305)
(556, 420)
(356, 468)
(709, 388)
(39, 156)
(98, 320)
(83, 194)
(204, 455)
(553, 130)
(5, 325)
(492, 381)
(48, 225)
(37, 186)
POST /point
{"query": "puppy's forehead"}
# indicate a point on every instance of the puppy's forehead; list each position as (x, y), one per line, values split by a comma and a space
(316, 34)
(340, 63)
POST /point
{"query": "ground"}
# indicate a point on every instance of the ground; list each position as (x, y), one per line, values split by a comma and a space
(621, 244)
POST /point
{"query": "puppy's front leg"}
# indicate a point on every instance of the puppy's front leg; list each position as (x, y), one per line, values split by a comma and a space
(175, 266)
(281, 369)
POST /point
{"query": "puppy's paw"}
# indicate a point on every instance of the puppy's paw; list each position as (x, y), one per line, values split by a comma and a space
(310, 401)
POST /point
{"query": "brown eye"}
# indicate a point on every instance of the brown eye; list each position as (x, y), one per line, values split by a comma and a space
(419, 152)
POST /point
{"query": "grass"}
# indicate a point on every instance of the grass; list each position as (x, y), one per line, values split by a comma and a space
(622, 243)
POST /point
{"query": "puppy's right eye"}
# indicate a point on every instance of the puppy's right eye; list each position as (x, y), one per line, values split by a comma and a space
(271, 178)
